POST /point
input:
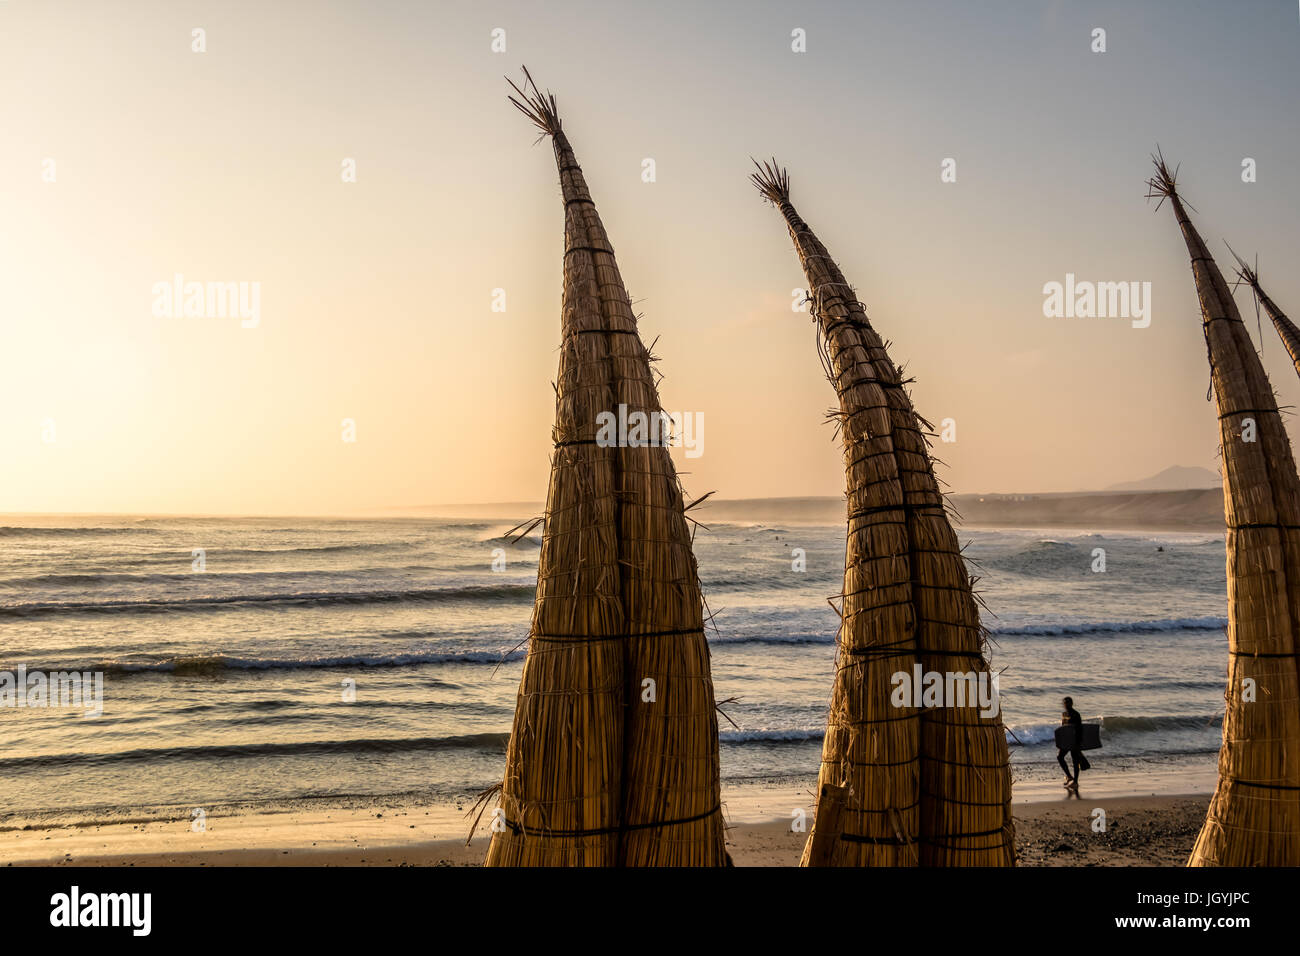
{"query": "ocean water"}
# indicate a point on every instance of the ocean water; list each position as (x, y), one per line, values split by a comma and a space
(226, 685)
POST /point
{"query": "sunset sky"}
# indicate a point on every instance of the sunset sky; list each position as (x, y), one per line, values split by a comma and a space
(376, 295)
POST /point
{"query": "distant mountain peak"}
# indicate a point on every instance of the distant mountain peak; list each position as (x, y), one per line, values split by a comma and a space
(1173, 478)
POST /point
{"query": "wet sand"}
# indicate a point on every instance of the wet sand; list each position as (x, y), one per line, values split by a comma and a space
(1139, 831)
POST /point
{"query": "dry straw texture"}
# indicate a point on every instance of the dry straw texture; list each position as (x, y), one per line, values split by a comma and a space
(1286, 329)
(928, 786)
(597, 774)
(1254, 816)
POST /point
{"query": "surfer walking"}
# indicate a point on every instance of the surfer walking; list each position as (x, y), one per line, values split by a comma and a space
(1070, 717)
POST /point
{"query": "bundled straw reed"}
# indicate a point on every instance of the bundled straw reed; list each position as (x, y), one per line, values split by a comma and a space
(597, 773)
(928, 786)
(1254, 816)
(1286, 329)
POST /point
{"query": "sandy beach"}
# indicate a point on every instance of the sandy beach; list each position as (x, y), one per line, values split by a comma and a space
(1152, 830)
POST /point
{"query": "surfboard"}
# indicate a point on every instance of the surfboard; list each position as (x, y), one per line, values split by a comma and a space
(1091, 737)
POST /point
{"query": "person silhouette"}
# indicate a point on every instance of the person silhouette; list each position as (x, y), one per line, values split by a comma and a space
(1071, 717)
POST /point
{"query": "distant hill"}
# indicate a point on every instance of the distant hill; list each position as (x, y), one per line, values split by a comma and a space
(1174, 478)
(817, 510)
(1193, 509)
(1190, 509)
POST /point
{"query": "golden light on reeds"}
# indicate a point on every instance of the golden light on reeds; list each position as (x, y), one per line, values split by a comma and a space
(1286, 329)
(1254, 815)
(613, 758)
(920, 786)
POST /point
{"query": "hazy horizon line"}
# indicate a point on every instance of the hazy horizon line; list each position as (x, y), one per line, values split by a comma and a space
(520, 507)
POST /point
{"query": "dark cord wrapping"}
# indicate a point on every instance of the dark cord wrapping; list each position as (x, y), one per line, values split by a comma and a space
(591, 638)
(605, 831)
